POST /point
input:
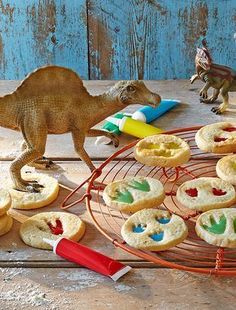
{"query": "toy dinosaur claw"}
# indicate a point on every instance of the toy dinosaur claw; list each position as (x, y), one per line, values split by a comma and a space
(216, 110)
(32, 189)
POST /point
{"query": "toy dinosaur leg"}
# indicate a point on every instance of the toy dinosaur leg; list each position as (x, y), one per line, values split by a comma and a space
(97, 132)
(35, 137)
(203, 91)
(213, 97)
(78, 139)
(41, 163)
(223, 106)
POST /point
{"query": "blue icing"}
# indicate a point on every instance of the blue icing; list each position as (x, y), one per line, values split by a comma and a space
(157, 236)
(138, 229)
(163, 220)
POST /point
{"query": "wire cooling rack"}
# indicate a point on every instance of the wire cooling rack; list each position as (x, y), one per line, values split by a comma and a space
(193, 254)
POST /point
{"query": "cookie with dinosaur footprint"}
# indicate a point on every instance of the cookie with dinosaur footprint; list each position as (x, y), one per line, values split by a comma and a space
(206, 193)
(154, 230)
(133, 194)
(217, 138)
(25, 200)
(162, 150)
(51, 225)
(218, 227)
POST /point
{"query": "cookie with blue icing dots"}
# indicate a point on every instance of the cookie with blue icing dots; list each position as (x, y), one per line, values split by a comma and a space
(218, 227)
(154, 230)
(133, 194)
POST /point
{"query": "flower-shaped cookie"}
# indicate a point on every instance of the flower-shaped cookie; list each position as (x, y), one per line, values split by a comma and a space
(217, 138)
(206, 193)
(154, 230)
(218, 227)
(162, 150)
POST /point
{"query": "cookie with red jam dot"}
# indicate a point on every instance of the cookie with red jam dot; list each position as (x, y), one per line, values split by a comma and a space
(206, 193)
(217, 138)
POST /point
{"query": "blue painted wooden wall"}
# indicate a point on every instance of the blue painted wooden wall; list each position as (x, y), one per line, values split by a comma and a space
(121, 39)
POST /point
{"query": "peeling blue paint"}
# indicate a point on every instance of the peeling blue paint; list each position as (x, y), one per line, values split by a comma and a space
(114, 39)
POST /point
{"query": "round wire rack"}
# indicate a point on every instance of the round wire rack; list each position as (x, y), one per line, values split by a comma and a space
(193, 254)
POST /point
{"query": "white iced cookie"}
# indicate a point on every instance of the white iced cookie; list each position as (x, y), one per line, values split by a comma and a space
(5, 201)
(5, 224)
(217, 138)
(226, 168)
(162, 150)
(51, 225)
(218, 227)
(206, 193)
(133, 194)
(154, 230)
(47, 194)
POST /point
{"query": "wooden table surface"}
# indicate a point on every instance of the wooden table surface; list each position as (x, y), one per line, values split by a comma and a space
(32, 278)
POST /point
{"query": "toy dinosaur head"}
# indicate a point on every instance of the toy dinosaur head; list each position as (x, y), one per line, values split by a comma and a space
(203, 58)
(135, 92)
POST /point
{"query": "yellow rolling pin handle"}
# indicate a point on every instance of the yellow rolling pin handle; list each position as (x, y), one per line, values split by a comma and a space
(135, 128)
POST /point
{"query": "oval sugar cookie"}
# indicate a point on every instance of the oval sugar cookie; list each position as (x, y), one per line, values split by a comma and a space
(51, 225)
(226, 168)
(26, 201)
(154, 230)
(5, 224)
(217, 138)
(133, 194)
(162, 150)
(218, 227)
(206, 193)
(5, 201)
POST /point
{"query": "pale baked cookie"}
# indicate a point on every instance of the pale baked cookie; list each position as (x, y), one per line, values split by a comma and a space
(5, 224)
(154, 230)
(217, 138)
(218, 227)
(226, 168)
(5, 201)
(133, 194)
(206, 193)
(162, 150)
(51, 225)
(47, 194)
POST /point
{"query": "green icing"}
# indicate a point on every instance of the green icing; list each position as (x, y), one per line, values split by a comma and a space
(124, 196)
(217, 228)
(141, 186)
(234, 223)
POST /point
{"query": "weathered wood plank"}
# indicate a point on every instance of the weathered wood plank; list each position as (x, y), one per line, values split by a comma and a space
(189, 113)
(72, 289)
(156, 39)
(35, 33)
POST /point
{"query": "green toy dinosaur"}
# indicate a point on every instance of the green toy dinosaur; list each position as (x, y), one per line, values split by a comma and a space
(221, 78)
(53, 100)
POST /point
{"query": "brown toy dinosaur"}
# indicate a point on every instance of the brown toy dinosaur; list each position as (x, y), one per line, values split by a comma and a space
(53, 100)
(221, 78)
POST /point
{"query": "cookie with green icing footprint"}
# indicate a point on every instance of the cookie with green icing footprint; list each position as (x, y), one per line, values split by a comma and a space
(154, 230)
(218, 227)
(133, 194)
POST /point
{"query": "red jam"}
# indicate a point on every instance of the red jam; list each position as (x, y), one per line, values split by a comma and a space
(218, 139)
(218, 192)
(56, 230)
(192, 192)
(230, 129)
